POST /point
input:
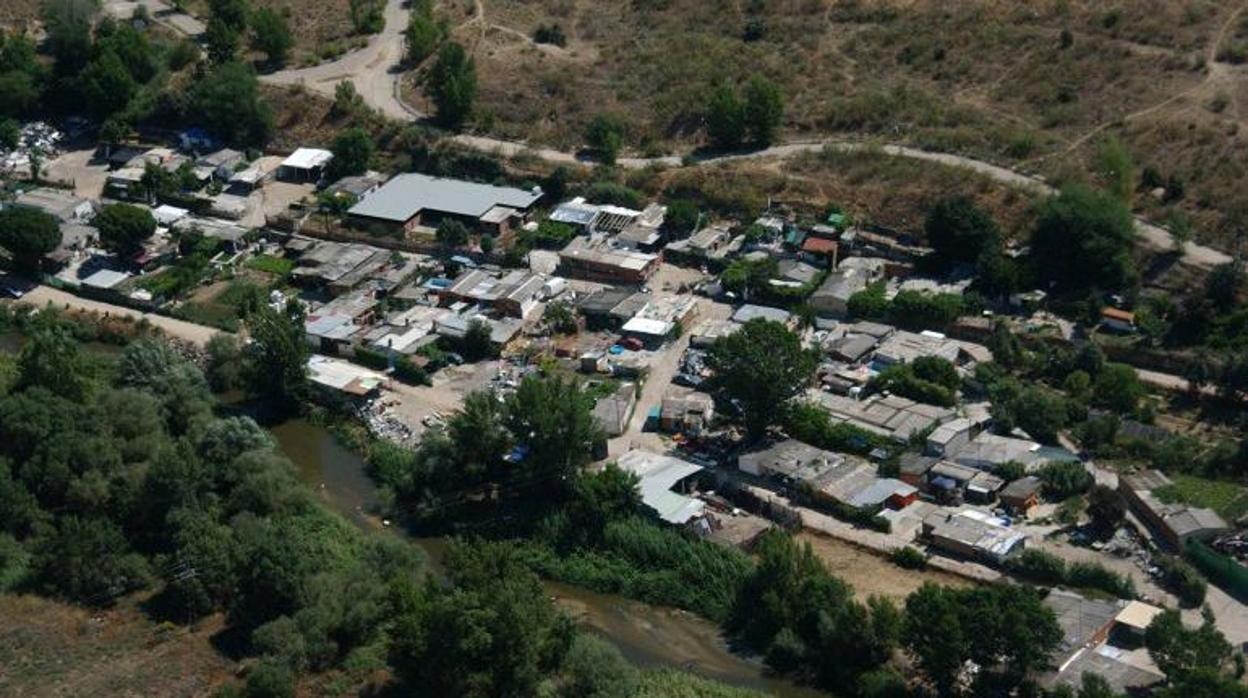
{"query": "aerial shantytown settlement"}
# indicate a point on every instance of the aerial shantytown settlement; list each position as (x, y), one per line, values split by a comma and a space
(635, 349)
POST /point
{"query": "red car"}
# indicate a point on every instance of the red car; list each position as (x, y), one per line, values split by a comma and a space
(632, 343)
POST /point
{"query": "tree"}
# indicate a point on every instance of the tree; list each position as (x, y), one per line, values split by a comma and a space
(479, 432)
(51, 360)
(681, 218)
(271, 34)
(124, 228)
(278, 356)
(1083, 240)
(10, 133)
(1063, 479)
(1105, 508)
(353, 151)
(422, 35)
(106, 85)
(596, 669)
(493, 633)
(89, 561)
(764, 110)
(68, 24)
(367, 16)
(552, 418)
(1179, 650)
(725, 117)
(227, 102)
(1224, 285)
(270, 680)
(224, 367)
(232, 13)
(452, 85)
(222, 41)
(763, 366)
(560, 317)
(605, 134)
(28, 234)
(451, 233)
(1118, 388)
(960, 232)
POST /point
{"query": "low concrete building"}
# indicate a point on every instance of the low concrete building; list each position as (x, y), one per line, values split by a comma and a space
(343, 378)
(949, 437)
(893, 416)
(707, 332)
(1090, 644)
(1021, 495)
(791, 459)
(749, 312)
(987, 451)
(1174, 524)
(659, 476)
(58, 203)
(516, 293)
(852, 275)
(613, 412)
(689, 414)
(983, 488)
(973, 535)
(597, 261)
(411, 200)
(903, 347)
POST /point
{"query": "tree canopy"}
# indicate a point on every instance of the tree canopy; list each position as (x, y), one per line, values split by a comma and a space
(227, 102)
(1083, 240)
(124, 228)
(763, 366)
(28, 234)
(452, 85)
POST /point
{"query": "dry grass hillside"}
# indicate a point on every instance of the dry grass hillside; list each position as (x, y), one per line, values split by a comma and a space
(53, 649)
(1037, 85)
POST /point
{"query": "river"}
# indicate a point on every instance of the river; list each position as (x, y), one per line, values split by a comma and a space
(648, 635)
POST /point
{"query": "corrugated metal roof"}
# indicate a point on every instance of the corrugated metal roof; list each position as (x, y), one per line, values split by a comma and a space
(408, 194)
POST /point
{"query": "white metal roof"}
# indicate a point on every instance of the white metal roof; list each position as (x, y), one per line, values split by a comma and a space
(642, 325)
(308, 159)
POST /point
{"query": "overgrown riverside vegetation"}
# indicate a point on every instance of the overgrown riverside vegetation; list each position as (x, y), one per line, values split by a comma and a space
(123, 475)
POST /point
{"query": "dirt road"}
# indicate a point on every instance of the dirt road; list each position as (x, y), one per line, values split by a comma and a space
(375, 69)
(42, 296)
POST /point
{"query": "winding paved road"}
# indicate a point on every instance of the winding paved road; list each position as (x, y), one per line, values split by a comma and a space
(376, 72)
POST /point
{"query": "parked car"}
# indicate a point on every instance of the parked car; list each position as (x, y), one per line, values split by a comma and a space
(632, 343)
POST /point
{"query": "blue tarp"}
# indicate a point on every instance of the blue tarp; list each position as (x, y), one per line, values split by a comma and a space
(944, 483)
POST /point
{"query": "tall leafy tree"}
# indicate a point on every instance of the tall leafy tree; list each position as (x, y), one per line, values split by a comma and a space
(961, 232)
(452, 85)
(270, 33)
(227, 101)
(124, 228)
(725, 117)
(68, 24)
(605, 134)
(764, 110)
(278, 355)
(353, 152)
(552, 418)
(763, 366)
(107, 85)
(1082, 240)
(28, 234)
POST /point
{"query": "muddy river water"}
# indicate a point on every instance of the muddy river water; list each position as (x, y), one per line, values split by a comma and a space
(649, 635)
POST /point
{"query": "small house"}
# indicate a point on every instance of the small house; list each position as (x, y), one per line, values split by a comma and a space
(1021, 495)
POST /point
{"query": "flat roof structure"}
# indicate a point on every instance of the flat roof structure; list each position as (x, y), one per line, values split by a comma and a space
(659, 474)
(749, 312)
(406, 195)
(902, 347)
(343, 376)
(893, 416)
(308, 159)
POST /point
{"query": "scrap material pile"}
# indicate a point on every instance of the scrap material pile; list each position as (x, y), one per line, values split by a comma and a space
(36, 137)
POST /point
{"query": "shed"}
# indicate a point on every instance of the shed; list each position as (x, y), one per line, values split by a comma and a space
(1022, 494)
(305, 165)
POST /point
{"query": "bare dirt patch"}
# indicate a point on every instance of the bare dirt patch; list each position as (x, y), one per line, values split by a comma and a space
(870, 574)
